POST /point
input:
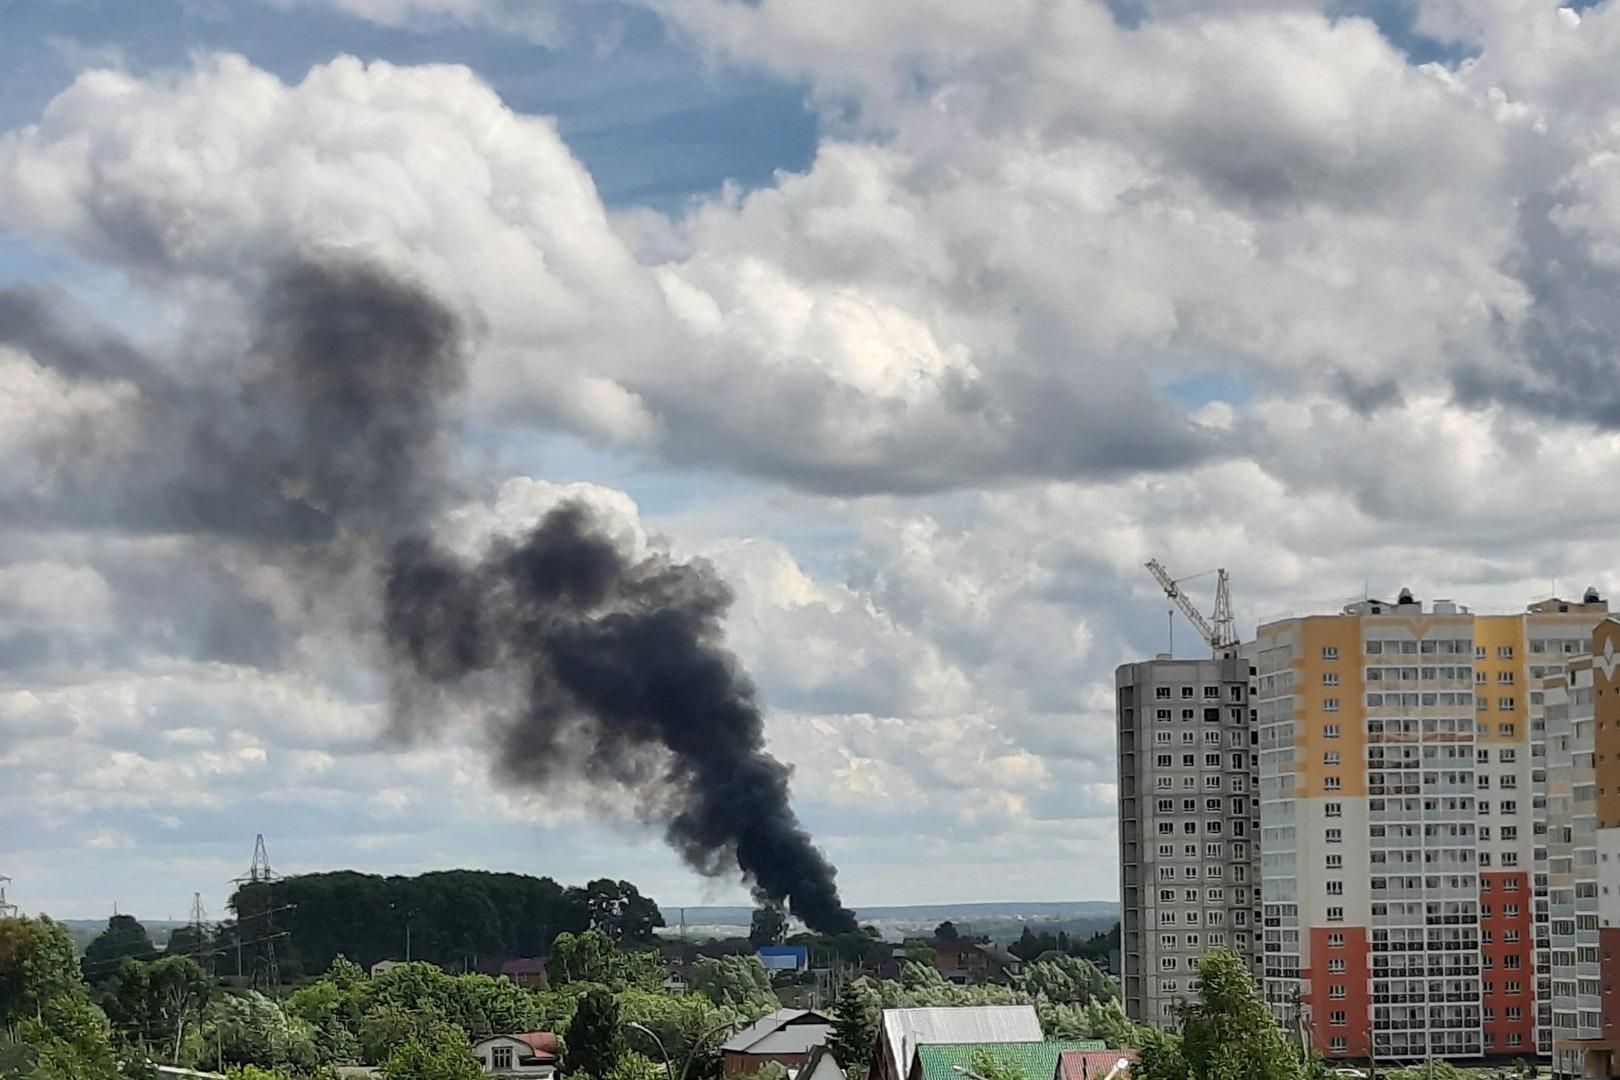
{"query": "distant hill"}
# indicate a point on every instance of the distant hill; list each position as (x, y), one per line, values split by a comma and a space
(1000, 922)
(1033, 912)
(83, 931)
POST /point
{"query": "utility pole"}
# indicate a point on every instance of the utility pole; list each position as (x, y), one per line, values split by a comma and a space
(258, 886)
(7, 911)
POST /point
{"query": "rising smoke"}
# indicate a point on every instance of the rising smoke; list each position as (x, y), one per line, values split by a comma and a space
(330, 443)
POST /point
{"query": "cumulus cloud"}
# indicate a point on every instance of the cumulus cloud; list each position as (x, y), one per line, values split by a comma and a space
(975, 340)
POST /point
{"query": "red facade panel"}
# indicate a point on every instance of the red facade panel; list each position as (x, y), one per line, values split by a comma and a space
(1340, 995)
(1507, 943)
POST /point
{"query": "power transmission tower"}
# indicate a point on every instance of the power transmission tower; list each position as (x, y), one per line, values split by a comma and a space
(198, 922)
(7, 911)
(255, 892)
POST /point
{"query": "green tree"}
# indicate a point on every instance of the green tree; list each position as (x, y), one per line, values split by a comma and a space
(123, 937)
(154, 1004)
(689, 1027)
(635, 1066)
(447, 1056)
(49, 1028)
(1068, 981)
(768, 926)
(946, 931)
(617, 909)
(855, 1027)
(992, 1067)
(250, 1029)
(1227, 1034)
(592, 958)
(594, 1039)
(735, 982)
(1103, 1019)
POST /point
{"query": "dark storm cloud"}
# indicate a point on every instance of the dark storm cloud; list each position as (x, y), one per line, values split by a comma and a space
(1569, 347)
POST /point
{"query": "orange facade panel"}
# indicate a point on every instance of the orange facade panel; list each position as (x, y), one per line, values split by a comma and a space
(1329, 736)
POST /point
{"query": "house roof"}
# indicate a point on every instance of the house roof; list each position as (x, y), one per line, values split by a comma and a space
(1037, 1059)
(904, 1030)
(785, 1031)
(1090, 1064)
(821, 1066)
(542, 1044)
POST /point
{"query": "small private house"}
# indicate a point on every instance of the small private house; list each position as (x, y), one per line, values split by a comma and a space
(783, 957)
(939, 1061)
(529, 1054)
(821, 1066)
(902, 1031)
(786, 1036)
(1095, 1064)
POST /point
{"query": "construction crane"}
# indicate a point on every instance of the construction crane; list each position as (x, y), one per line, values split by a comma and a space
(1220, 630)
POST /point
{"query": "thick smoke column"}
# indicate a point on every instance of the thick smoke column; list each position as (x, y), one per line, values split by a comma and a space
(617, 657)
(321, 444)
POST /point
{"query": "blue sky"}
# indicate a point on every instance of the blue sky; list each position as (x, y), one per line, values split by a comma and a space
(925, 323)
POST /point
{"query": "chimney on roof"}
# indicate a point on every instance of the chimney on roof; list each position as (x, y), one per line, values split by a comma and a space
(1591, 596)
(1405, 597)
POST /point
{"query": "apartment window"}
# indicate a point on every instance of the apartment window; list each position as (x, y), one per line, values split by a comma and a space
(1212, 761)
(1511, 962)
(1167, 896)
(1235, 693)
(1330, 652)
(1187, 714)
(1335, 862)
(1161, 692)
(1167, 828)
(1335, 888)
(1336, 991)
(1506, 754)
(1164, 761)
(1336, 966)
(1334, 836)
(1186, 691)
(1333, 809)
(1330, 731)
(1508, 806)
(1509, 832)
(1188, 761)
(1504, 705)
(1330, 678)
(1372, 648)
(1330, 757)
(1330, 783)
(1330, 704)
(1337, 1044)
(1335, 941)
(1510, 911)
(1504, 678)
(1335, 914)
(1167, 963)
(1513, 988)
(1505, 729)
(1504, 652)
(1336, 1018)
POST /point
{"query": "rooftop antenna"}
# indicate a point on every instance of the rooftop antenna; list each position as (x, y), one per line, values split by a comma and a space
(7, 911)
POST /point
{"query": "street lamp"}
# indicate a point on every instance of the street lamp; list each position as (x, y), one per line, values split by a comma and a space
(692, 1053)
(669, 1069)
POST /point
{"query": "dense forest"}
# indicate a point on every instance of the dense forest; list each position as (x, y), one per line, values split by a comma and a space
(453, 918)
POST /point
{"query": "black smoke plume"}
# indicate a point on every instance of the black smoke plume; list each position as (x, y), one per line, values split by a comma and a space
(325, 444)
(617, 657)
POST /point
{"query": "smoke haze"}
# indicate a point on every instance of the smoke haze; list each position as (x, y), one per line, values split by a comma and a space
(327, 445)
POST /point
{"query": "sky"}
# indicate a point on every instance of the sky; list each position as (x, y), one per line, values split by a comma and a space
(925, 324)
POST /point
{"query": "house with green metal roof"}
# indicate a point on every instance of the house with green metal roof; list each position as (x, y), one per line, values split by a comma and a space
(1036, 1060)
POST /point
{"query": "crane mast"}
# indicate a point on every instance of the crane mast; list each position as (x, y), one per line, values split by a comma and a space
(1221, 630)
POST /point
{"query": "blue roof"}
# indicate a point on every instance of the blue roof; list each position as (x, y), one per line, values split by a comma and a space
(783, 950)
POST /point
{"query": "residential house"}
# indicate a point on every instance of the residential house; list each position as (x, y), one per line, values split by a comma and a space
(786, 1036)
(783, 957)
(530, 1054)
(821, 1066)
(962, 961)
(902, 1031)
(525, 971)
(1094, 1064)
(940, 1061)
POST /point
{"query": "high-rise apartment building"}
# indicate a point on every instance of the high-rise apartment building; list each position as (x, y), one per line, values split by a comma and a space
(1402, 803)
(1583, 858)
(1187, 820)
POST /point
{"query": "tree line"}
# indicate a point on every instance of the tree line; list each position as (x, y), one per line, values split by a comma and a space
(453, 918)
